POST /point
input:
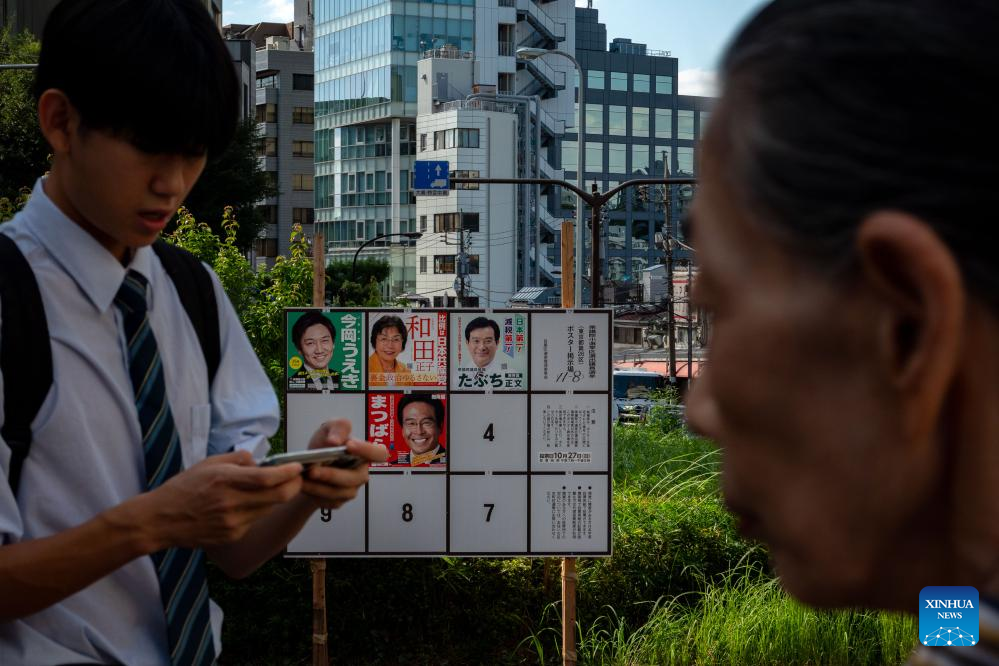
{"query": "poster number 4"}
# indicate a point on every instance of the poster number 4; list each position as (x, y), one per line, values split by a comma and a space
(488, 434)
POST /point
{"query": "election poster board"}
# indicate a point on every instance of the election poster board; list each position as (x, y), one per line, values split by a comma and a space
(497, 424)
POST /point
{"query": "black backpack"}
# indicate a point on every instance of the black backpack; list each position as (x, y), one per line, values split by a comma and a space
(27, 377)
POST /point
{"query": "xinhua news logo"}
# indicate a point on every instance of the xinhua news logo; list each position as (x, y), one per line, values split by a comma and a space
(948, 616)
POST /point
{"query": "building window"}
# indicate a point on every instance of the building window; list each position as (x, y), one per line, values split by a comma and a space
(595, 79)
(269, 213)
(594, 157)
(639, 158)
(507, 83)
(664, 124)
(661, 160)
(303, 215)
(619, 80)
(423, 264)
(267, 81)
(470, 222)
(471, 301)
(446, 222)
(302, 81)
(423, 142)
(302, 148)
(473, 264)
(640, 121)
(641, 83)
(444, 264)
(570, 155)
(266, 113)
(685, 161)
(664, 85)
(438, 301)
(464, 186)
(594, 119)
(685, 125)
(302, 115)
(267, 146)
(617, 120)
(617, 154)
(703, 117)
(456, 138)
(302, 182)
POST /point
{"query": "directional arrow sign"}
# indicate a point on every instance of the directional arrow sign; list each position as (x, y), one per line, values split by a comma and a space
(431, 177)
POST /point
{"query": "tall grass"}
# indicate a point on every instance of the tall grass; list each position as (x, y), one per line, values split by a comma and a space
(717, 601)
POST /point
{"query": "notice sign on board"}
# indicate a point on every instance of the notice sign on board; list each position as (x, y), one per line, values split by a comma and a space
(497, 424)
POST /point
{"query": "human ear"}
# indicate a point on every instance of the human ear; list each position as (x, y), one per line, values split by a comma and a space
(919, 306)
(58, 119)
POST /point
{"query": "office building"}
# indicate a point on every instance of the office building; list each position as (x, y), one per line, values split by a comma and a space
(371, 96)
(283, 108)
(637, 126)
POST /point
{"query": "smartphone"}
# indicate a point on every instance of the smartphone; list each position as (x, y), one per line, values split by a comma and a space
(335, 456)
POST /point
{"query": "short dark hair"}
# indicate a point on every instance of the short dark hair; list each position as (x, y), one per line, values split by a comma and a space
(481, 322)
(823, 103)
(410, 398)
(389, 321)
(310, 318)
(155, 73)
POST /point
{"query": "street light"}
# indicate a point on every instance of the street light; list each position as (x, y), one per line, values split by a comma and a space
(531, 53)
(414, 235)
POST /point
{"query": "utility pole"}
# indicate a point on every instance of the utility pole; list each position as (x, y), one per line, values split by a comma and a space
(670, 309)
(462, 266)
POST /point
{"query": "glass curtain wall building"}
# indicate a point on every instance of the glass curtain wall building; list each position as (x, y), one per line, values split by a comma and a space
(365, 112)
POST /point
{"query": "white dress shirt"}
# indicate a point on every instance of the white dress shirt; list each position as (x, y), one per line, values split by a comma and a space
(86, 454)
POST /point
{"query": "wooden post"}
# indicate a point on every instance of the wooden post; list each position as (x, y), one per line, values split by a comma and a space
(320, 653)
(568, 563)
(568, 611)
(568, 252)
(318, 270)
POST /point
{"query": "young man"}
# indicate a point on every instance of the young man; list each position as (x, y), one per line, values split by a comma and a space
(138, 468)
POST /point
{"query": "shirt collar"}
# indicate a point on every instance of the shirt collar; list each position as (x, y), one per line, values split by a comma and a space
(95, 270)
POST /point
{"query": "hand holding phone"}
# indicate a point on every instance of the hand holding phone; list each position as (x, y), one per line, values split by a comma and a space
(334, 456)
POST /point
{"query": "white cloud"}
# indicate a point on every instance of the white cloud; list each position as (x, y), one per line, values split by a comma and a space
(700, 82)
(279, 11)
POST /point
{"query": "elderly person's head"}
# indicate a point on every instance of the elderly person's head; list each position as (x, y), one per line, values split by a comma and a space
(844, 229)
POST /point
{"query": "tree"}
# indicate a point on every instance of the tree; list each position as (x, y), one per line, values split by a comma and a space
(361, 288)
(24, 154)
(233, 179)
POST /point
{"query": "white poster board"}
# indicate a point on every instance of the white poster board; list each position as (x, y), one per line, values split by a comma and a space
(497, 424)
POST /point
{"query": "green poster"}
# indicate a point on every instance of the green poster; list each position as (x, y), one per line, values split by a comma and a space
(325, 350)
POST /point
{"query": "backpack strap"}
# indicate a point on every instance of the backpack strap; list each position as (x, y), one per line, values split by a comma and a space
(26, 377)
(197, 295)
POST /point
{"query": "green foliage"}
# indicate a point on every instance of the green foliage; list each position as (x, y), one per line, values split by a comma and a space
(23, 150)
(10, 208)
(348, 283)
(233, 179)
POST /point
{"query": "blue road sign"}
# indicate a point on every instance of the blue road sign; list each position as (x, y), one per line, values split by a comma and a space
(431, 176)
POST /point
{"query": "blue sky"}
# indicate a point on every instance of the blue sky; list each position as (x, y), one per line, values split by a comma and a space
(695, 31)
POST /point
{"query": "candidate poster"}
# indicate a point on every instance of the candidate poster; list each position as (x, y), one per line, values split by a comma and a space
(407, 349)
(412, 426)
(489, 351)
(324, 351)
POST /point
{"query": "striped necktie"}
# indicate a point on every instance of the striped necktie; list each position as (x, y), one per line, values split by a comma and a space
(181, 571)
